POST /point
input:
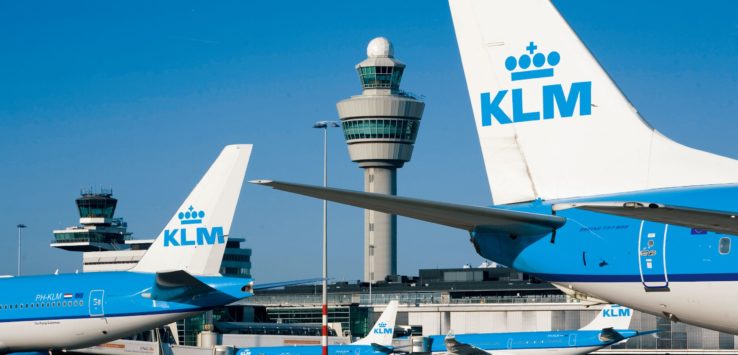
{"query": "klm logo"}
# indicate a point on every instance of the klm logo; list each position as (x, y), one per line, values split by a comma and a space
(382, 329)
(202, 235)
(616, 312)
(558, 100)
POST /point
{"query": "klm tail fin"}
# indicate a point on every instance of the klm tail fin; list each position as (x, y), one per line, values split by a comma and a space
(613, 316)
(381, 333)
(551, 122)
(194, 239)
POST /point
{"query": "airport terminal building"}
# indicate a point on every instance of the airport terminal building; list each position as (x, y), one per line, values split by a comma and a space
(476, 300)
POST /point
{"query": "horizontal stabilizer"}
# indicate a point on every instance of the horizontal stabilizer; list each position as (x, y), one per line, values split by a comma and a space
(715, 221)
(457, 348)
(271, 285)
(458, 216)
(177, 285)
(382, 349)
(609, 335)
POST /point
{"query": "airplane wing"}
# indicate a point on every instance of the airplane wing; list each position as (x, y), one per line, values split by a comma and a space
(458, 216)
(715, 221)
(457, 348)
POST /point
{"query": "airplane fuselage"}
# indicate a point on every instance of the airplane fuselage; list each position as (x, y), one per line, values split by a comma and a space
(77, 310)
(682, 273)
(346, 349)
(558, 342)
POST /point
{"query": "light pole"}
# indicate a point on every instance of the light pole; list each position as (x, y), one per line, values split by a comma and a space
(324, 125)
(20, 226)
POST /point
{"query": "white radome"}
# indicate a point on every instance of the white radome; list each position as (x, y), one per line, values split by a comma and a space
(380, 47)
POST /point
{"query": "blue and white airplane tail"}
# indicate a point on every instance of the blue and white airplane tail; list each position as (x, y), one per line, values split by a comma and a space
(382, 332)
(612, 316)
(195, 237)
(551, 122)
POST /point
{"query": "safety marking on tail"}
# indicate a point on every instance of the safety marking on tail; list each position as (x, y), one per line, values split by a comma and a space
(552, 95)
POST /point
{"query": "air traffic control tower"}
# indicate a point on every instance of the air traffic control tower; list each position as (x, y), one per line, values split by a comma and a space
(380, 127)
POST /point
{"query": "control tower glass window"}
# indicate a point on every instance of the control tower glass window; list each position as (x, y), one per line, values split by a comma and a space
(380, 77)
(96, 206)
(404, 130)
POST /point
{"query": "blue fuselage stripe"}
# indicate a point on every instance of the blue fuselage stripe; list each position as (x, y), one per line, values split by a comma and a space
(637, 278)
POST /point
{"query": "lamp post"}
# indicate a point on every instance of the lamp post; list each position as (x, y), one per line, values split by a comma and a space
(20, 226)
(324, 125)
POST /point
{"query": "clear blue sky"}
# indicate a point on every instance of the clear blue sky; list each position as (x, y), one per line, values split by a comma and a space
(141, 96)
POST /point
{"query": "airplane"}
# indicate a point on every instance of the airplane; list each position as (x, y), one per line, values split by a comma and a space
(608, 328)
(586, 194)
(378, 341)
(176, 278)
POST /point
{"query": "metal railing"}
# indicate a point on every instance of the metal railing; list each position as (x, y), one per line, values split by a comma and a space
(413, 298)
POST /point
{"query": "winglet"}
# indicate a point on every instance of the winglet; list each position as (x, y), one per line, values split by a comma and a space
(260, 182)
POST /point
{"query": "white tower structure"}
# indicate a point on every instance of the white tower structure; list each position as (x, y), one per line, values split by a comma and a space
(380, 127)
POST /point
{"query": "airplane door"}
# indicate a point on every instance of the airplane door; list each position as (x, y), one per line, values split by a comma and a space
(572, 340)
(96, 303)
(652, 256)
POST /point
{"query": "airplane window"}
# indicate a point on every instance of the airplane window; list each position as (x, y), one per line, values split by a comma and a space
(64, 303)
(81, 303)
(724, 246)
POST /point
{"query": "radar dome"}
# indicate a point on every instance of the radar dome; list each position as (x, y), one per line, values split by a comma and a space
(380, 47)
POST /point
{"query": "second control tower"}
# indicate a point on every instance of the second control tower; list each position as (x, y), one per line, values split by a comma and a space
(380, 127)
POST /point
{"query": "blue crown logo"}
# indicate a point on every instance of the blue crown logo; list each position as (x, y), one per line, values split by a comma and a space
(191, 216)
(538, 60)
(382, 324)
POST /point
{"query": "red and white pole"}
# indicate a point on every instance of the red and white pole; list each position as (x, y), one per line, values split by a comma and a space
(324, 329)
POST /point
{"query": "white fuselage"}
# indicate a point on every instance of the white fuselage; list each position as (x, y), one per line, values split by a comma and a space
(706, 304)
(77, 333)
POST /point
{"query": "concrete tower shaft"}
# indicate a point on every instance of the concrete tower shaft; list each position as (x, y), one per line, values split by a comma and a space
(380, 127)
